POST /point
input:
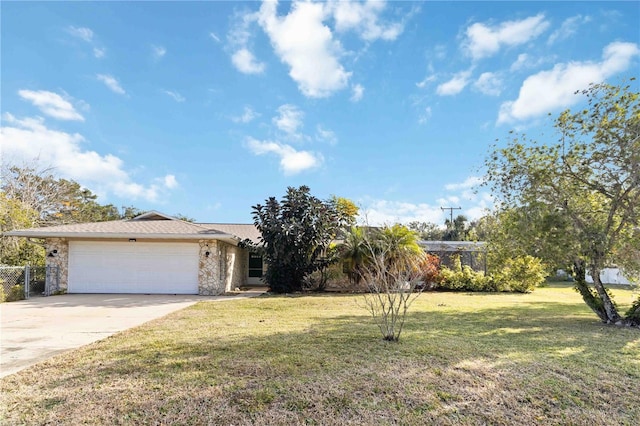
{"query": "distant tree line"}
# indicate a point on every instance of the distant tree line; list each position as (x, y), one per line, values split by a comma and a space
(460, 229)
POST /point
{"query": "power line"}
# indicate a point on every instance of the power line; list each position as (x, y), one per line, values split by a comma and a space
(451, 209)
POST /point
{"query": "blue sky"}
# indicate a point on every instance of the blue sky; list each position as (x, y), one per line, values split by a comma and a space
(207, 108)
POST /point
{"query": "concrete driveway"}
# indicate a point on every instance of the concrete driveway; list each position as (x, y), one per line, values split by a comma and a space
(36, 329)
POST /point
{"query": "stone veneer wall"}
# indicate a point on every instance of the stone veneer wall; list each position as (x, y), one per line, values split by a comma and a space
(224, 269)
(59, 259)
(209, 269)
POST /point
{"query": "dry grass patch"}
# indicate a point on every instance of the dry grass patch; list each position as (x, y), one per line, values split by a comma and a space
(540, 358)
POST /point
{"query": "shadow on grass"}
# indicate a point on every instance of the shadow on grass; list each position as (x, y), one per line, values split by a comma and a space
(527, 331)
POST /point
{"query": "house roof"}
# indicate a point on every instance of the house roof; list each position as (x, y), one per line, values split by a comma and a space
(149, 225)
(453, 245)
(244, 231)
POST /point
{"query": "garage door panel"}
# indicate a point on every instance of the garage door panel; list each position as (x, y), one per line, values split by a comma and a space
(133, 267)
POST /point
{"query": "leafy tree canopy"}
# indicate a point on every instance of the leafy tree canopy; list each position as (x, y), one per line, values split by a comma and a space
(295, 234)
(458, 230)
(346, 208)
(55, 201)
(426, 230)
(32, 197)
(585, 187)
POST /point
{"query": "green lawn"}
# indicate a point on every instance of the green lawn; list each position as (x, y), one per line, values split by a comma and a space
(540, 358)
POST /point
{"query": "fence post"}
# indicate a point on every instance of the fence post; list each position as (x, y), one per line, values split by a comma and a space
(27, 278)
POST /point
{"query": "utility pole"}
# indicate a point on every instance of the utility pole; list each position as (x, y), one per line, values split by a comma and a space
(451, 209)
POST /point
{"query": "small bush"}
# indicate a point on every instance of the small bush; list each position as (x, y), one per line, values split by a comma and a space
(2, 295)
(521, 274)
(633, 314)
(16, 293)
(430, 271)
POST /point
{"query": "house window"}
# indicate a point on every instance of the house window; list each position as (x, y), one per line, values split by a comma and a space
(255, 265)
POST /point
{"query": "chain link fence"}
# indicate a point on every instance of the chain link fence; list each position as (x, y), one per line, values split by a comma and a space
(35, 280)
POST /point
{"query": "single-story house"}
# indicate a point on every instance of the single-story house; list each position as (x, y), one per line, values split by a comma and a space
(152, 253)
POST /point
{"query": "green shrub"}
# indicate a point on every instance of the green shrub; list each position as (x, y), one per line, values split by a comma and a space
(463, 278)
(16, 293)
(521, 274)
(633, 313)
(2, 295)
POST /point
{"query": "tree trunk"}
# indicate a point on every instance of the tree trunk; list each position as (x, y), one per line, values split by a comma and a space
(588, 295)
(608, 305)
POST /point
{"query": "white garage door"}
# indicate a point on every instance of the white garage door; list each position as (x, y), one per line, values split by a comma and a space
(133, 267)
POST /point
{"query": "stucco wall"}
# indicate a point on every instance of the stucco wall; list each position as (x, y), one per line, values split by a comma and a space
(57, 254)
(236, 267)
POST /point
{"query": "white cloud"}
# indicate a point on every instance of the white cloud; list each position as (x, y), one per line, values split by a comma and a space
(560, 83)
(241, 32)
(170, 181)
(24, 140)
(247, 116)
(245, 62)
(291, 160)
(87, 35)
(454, 86)
(364, 19)
(425, 116)
(525, 61)
(175, 95)
(483, 40)
(357, 92)
(158, 52)
(306, 45)
(99, 52)
(111, 83)
(479, 205)
(440, 51)
(214, 37)
(428, 79)
(469, 183)
(474, 205)
(489, 83)
(384, 212)
(289, 119)
(568, 28)
(326, 135)
(521, 62)
(82, 33)
(239, 36)
(51, 104)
